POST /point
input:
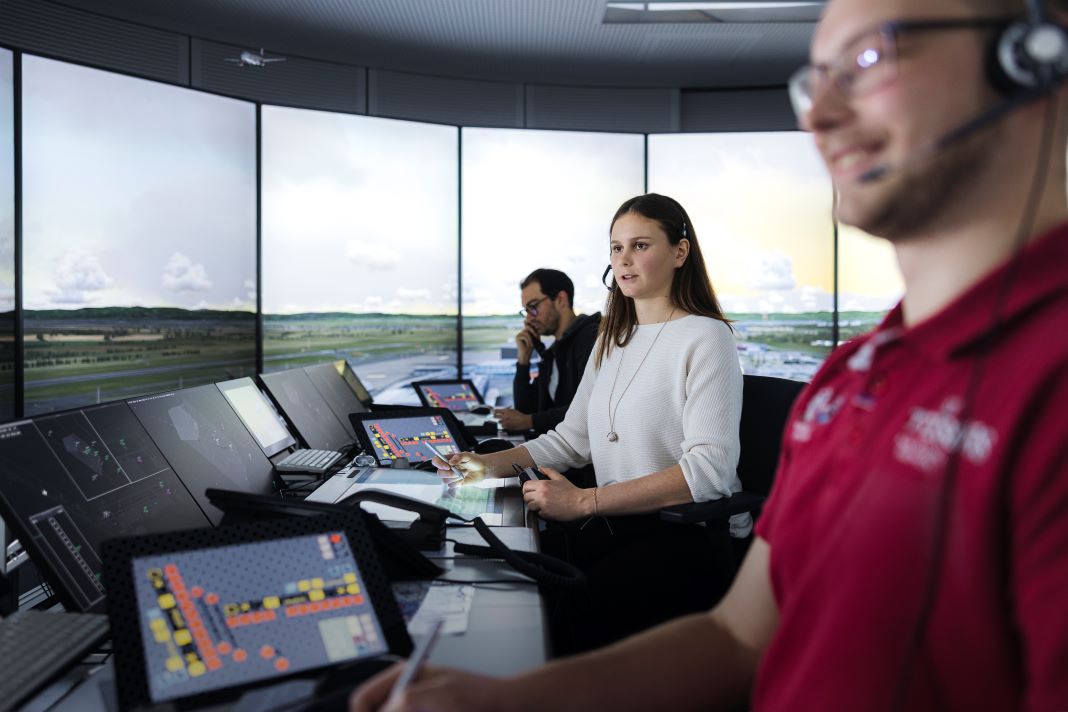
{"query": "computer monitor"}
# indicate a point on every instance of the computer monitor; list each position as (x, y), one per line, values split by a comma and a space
(337, 394)
(354, 382)
(259, 416)
(205, 442)
(458, 395)
(74, 479)
(415, 434)
(306, 409)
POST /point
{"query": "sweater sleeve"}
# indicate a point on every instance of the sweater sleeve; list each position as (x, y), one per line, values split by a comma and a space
(568, 446)
(711, 415)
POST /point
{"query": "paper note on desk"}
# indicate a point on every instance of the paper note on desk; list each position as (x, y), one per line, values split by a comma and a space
(449, 603)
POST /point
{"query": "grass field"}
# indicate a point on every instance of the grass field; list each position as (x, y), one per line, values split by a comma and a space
(78, 357)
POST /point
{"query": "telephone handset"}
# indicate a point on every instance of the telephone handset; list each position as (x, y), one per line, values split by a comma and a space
(427, 532)
(399, 554)
(401, 559)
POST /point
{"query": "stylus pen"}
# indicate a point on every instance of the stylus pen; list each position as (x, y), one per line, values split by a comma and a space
(416, 661)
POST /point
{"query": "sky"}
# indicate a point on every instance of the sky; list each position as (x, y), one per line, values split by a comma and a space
(135, 193)
(359, 214)
(7, 186)
(541, 199)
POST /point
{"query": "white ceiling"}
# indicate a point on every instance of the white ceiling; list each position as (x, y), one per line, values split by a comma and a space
(530, 41)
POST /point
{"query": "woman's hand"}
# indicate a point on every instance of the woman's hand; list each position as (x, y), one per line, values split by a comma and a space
(556, 498)
(471, 466)
(435, 690)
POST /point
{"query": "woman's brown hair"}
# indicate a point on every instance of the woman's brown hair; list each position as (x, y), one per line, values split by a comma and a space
(691, 290)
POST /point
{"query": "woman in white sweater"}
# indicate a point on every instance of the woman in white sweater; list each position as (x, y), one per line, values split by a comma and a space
(657, 414)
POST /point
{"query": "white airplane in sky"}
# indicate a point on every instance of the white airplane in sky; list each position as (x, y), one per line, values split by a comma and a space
(251, 59)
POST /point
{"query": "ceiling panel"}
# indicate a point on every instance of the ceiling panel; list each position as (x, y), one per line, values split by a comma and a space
(530, 41)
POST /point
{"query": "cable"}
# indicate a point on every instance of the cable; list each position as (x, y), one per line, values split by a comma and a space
(945, 494)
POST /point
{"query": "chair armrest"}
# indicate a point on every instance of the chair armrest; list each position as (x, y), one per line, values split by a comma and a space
(713, 510)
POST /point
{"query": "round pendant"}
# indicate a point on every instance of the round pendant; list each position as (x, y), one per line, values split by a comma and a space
(612, 437)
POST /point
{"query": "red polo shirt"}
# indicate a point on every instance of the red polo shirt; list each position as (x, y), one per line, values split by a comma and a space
(852, 517)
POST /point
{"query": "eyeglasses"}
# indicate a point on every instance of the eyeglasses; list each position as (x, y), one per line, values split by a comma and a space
(531, 308)
(868, 62)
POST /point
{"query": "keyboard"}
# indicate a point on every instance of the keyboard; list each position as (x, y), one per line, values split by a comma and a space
(318, 461)
(44, 646)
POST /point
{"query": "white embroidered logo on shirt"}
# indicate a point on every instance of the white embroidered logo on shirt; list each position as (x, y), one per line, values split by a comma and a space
(930, 435)
(820, 410)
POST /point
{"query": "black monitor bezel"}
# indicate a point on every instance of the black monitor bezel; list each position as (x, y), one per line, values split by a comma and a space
(450, 382)
(268, 450)
(344, 367)
(130, 680)
(453, 425)
(264, 380)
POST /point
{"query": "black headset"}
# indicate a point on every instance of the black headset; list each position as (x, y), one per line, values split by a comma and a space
(1030, 55)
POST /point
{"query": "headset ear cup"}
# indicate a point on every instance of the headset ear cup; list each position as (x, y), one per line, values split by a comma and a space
(999, 77)
(1028, 56)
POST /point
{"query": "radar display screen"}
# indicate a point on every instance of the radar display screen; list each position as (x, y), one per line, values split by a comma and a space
(205, 441)
(457, 396)
(416, 438)
(72, 480)
(227, 616)
(338, 395)
(306, 409)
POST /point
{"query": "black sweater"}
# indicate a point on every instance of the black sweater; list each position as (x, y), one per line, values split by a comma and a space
(568, 355)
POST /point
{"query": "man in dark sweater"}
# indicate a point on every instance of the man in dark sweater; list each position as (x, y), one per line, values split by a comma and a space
(547, 297)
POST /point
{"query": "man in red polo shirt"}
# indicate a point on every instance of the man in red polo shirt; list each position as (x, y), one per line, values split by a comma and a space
(914, 553)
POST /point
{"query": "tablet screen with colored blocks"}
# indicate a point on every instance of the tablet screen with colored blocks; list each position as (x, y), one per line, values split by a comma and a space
(223, 617)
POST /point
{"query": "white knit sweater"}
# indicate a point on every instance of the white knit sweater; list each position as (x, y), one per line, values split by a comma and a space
(683, 407)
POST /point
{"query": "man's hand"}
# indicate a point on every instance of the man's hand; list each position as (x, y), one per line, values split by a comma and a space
(524, 342)
(556, 498)
(436, 690)
(512, 419)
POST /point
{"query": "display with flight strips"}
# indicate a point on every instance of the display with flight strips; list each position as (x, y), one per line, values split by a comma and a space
(414, 437)
(74, 479)
(200, 616)
(458, 395)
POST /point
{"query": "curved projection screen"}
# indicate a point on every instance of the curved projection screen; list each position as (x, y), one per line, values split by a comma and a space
(139, 236)
(535, 199)
(360, 245)
(761, 206)
(7, 239)
(869, 281)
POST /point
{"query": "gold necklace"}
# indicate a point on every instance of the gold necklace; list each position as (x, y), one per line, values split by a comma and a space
(613, 436)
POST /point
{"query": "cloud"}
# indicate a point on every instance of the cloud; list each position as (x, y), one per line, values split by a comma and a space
(77, 275)
(183, 275)
(772, 270)
(413, 294)
(250, 290)
(376, 258)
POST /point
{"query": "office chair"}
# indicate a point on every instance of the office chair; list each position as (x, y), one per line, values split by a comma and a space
(766, 403)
